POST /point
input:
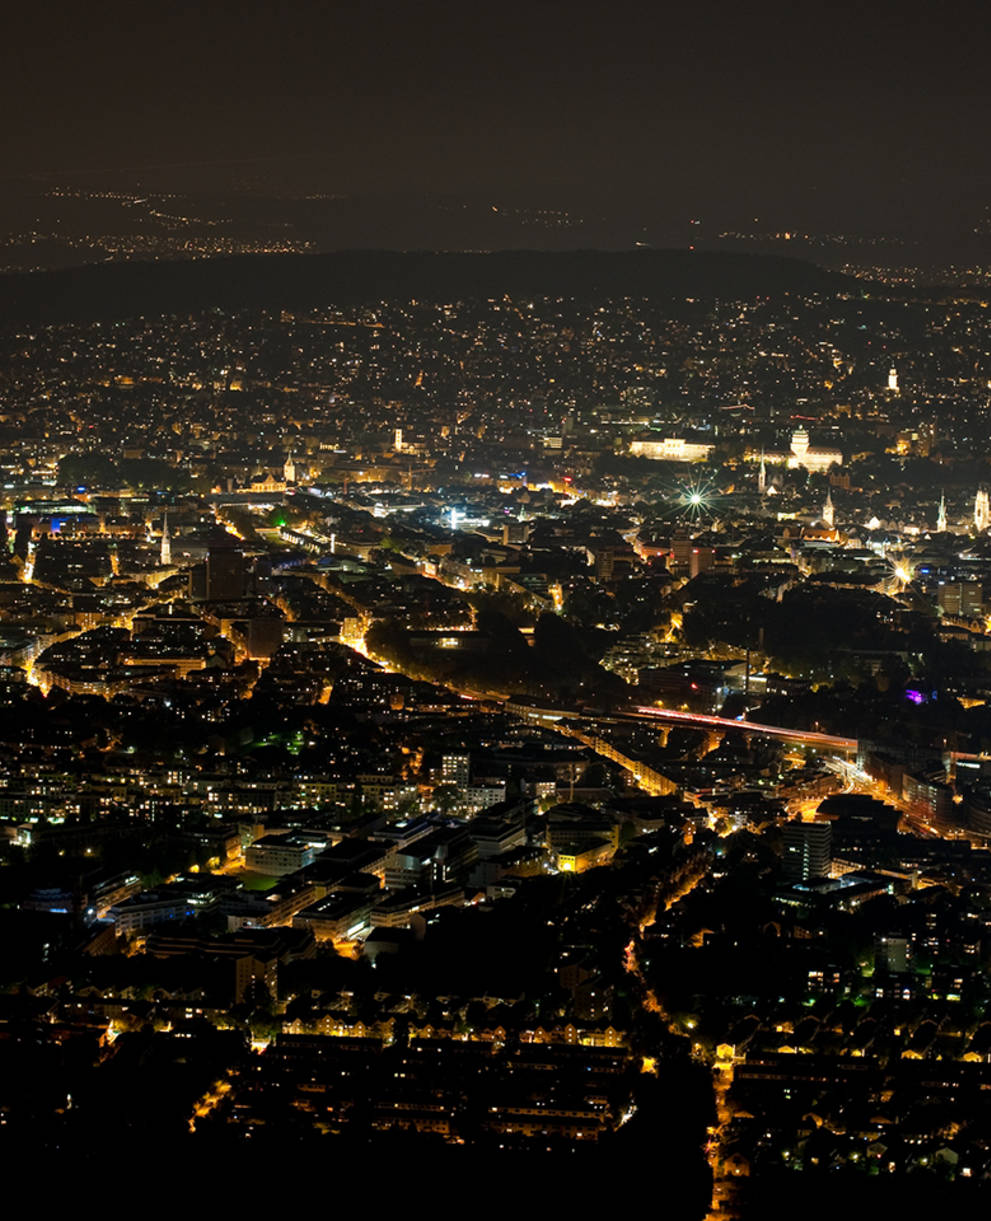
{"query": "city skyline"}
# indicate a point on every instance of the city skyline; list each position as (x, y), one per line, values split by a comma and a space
(495, 602)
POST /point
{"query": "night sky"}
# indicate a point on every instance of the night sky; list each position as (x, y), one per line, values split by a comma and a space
(829, 114)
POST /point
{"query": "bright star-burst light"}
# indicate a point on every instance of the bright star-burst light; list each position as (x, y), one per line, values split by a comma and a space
(695, 499)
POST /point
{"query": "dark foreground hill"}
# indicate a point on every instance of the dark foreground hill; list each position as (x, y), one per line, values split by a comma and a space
(122, 290)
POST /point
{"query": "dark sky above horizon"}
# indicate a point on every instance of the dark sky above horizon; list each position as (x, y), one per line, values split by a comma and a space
(847, 113)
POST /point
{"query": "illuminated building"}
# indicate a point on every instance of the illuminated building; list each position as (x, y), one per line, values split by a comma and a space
(801, 454)
(811, 458)
(266, 482)
(701, 560)
(166, 554)
(672, 449)
(961, 599)
(576, 858)
(807, 850)
(982, 511)
(277, 854)
(455, 769)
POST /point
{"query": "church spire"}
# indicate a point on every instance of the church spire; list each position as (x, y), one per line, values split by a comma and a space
(166, 556)
(941, 516)
(762, 476)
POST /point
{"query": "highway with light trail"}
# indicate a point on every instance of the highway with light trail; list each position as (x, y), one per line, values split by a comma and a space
(698, 720)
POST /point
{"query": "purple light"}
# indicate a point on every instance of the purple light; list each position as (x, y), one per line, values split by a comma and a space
(915, 696)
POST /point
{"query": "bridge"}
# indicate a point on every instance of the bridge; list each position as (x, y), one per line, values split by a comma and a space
(698, 720)
(668, 716)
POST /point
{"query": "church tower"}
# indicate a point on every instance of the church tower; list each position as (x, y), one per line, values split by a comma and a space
(982, 511)
(166, 556)
(289, 470)
(828, 512)
(941, 516)
(762, 476)
(893, 380)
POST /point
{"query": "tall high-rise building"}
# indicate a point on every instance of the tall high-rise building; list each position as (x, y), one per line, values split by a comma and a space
(807, 850)
(397, 443)
(681, 551)
(962, 599)
(226, 578)
(455, 769)
(701, 560)
(892, 954)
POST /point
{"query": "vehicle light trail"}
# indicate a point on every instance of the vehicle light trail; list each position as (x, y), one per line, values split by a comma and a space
(826, 741)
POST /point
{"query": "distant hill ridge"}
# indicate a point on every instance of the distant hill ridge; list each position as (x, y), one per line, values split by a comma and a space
(294, 281)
